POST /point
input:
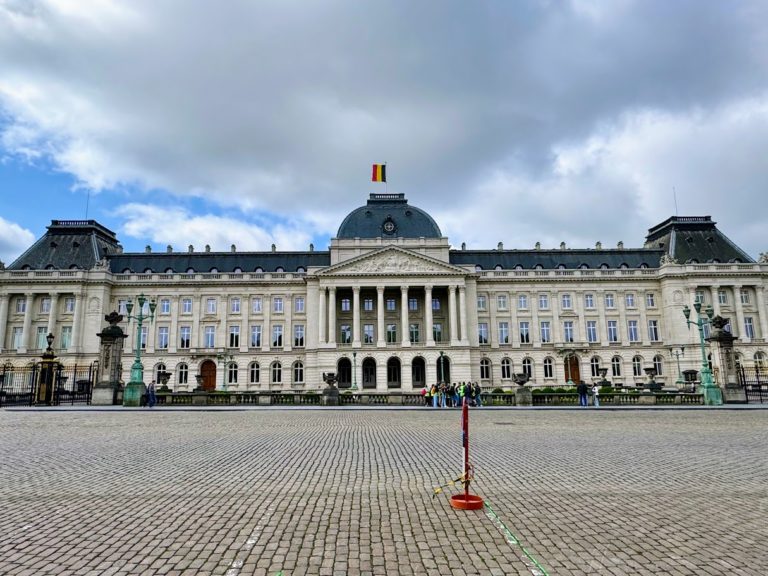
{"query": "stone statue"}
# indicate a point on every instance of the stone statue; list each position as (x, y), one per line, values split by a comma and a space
(762, 260)
(668, 259)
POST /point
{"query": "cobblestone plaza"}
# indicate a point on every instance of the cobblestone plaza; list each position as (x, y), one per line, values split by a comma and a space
(350, 492)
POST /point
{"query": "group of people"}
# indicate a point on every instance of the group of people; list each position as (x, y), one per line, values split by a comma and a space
(583, 389)
(449, 395)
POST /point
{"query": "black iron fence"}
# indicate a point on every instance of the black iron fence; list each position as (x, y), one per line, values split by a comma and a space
(50, 384)
(754, 380)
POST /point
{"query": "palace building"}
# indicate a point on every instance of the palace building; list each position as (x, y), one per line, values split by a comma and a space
(389, 306)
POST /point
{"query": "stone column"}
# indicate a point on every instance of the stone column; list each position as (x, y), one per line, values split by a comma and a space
(266, 331)
(173, 336)
(404, 339)
(245, 333)
(322, 311)
(463, 314)
(428, 315)
(621, 298)
(197, 311)
(77, 320)
(713, 291)
(332, 316)
(452, 315)
(3, 319)
(739, 311)
(761, 313)
(52, 315)
(288, 325)
(380, 341)
(602, 323)
(25, 335)
(356, 316)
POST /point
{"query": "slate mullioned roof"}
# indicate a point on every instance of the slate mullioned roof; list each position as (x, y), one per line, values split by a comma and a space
(551, 259)
(220, 261)
(408, 221)
(694, 239)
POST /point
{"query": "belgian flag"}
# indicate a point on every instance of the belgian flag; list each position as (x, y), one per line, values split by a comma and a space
(379, 173)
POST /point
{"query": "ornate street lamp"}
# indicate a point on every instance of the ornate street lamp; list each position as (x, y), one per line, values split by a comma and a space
(712, 393)
(354, 370)
(135, 387)
(442, 368)
(680, 382)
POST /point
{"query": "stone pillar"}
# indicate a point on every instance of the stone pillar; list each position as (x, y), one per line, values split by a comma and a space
(52, 314)
(197, 312)
(77, 320)
(332, 316)
(463, 314)
(454, 340)
(761, 312)
(723, 358)
(322, 311)
(173, 336)
(25, 335)
(288, 327)
(739, 328)
(356, 316)
(106, 390)
(380, 341)
(404, 339)
(266, 333)
(715, 296)
(430, 339)
(3, 319)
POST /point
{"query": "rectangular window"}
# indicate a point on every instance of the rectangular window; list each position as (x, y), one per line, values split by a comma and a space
(653, 330)
(699, 296)
(277, 304)
(298, 304)
(186, 306)
(522, 302)
(66, 337)
(277, 335)
(210, 306)
(613, 331)
(298, 335)
(525, 333)
(749, 328)
(45, 305)
(437, 332)
(234, 337)
(503, 332)
(144, 337)
(234, 305)
(185, 335)
(543, 301)
(609, 301)
(414, 333)
(744, 296)
(481, 305)
(501, 301)
(210, 336)
(650, 300)
(435, 303)
(163, 337)
(632, 331)
(482, 333)
(546, 335)
(727, 328)
(346, 305)
(346, 334)
(413, 304)
(368, 333)
(42, 332)
(256, 336)
(368, 304)
(548, 368)
(165, 306)
(589, 300)
(722, 297)
(568, 331)
(256, 305)
(122, 306)
(566, 301)
(17, 334)
(591, 331)
(391, 333)
(69, 305)
(21, 305)
(629, 300)
(391, 304)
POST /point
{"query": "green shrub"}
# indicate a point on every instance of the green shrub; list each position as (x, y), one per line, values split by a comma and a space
(497, 391)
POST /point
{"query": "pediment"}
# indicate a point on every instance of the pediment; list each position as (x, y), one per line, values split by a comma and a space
(392, 261)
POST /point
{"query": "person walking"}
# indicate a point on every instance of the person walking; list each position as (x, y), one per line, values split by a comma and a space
(595, 396)
(478, 395)
(151, 397)
(435, 395)
(582, 390)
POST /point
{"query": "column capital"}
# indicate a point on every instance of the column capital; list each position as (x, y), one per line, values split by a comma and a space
(379, 288)
(462, 288)
(356, 289)
(404, 288)
(428, 287)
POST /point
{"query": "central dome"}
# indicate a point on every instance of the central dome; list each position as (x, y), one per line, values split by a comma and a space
(388, 216)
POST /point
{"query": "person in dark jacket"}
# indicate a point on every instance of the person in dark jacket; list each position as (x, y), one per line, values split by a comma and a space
(582, 389)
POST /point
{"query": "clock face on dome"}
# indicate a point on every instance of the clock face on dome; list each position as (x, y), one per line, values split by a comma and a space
(389, 227)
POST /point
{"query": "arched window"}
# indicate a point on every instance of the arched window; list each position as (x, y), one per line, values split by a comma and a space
(147, 270)
(506, 369)
(169, 270)
(518, 266)
(583, 266)
(126, 270)
(259, 270)
(594, 364)
(549, 368)
(277, 373)
(478, 268)
(760, 360)
(528, 367)
(658, 364)
(298, 373)
(498, 267)
(253, 373)
(623, 266)
(232, 373)
(237, 270)
(485, 369)
(603, 266)
(190, 270)
(279, 269)
(538, 267)
(301, 270)
(643, 265)
(214, 270)
(637, 366)
(616, 366)
(182, 374)
(561, 266)
(159, 369)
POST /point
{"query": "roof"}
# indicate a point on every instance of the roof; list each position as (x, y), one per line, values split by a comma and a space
(181, 262)
(551, 259)
(388, 216)
(69, 244)
(694, 239)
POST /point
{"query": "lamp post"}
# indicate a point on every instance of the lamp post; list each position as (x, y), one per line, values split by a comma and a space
(354, 370)
(442, 368)
(135, 387)
(680, 382)
(712, 394)
(226, 360)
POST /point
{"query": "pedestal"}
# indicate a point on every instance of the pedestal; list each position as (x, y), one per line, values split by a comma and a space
(133, 393)
(734, 394)
(104, 394)
(523, 396)
(713, 396)
(331, 396)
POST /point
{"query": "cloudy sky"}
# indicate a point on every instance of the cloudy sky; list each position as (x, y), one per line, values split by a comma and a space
(256, 122)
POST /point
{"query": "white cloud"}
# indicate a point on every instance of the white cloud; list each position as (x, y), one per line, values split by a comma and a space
(14, 239)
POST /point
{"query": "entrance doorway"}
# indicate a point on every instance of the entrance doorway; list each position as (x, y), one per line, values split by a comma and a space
(443, 366)
(208, 372)
(393, 373)
(418, 375)
(344, 373)
(572, 369)
(369, 373)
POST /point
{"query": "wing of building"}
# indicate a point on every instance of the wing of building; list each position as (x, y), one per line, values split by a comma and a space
(389, 306)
